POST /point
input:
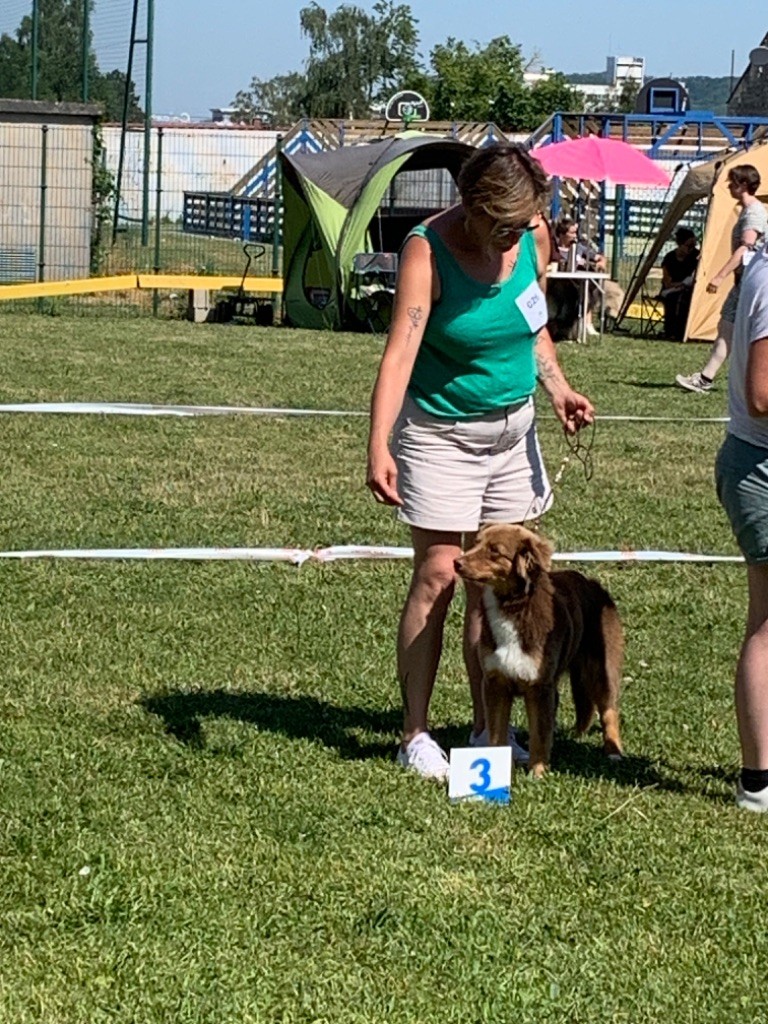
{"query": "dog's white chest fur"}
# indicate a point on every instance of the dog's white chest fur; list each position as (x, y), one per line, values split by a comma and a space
(509, 656)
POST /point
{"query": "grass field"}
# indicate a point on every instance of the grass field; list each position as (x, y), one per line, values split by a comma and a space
(202, 822)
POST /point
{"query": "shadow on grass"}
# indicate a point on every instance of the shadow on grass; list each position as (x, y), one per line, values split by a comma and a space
(646, 385)
(585, 758)
(345, 729)
(357, 733)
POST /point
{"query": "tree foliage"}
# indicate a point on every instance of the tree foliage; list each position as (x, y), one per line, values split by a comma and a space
(60, 61)
(278, 101)
(487, 84)
(470, 84)
(357, 59)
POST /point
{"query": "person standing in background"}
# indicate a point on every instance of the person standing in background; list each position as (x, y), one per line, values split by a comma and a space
(749, 231)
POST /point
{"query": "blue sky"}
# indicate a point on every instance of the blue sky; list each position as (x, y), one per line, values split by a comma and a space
(222, 45)
(206, 51)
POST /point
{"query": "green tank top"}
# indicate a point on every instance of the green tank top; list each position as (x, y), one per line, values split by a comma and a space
(477, 353)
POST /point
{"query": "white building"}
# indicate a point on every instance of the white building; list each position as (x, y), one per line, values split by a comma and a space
(618, 71)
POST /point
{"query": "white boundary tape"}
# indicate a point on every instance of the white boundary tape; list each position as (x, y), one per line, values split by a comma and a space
(136, 409)
(297, 556)
(148, 409)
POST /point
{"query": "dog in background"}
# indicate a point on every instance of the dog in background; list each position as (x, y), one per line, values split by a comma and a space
(536, 625)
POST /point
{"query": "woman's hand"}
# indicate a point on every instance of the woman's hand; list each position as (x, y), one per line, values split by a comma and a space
(381, 478)
(714, 284)
(573, 410)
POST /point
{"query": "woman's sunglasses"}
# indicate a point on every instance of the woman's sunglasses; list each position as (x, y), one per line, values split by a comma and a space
(513, 232)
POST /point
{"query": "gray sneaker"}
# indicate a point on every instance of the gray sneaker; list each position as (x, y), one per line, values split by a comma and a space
(693, 383)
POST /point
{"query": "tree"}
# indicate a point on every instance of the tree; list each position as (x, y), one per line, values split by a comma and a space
(109, 90)
(625, 104)
(14, 69)
(487, 84)
(279, 101)
(60, 61)
(473, 84)
(356, 58)
(550, 95)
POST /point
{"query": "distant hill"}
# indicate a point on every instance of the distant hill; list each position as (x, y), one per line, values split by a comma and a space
(708, 93)
(587, 78)
(705, 93)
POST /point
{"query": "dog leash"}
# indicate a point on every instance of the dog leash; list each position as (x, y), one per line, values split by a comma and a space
(580, 451)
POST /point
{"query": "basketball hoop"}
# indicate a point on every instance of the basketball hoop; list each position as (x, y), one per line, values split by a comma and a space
(407, 106)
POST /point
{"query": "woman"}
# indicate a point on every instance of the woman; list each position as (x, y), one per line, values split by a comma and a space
(566, 237)
(574, 254)
(454, 390)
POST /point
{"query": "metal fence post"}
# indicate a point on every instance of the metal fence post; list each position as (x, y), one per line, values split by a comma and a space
(158, 215)
(43, 202)
(149, 41)
(619, 229)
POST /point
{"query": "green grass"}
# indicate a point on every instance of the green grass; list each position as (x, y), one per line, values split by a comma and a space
(201, 818)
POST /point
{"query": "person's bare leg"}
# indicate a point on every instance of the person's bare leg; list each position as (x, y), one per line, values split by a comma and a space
(420, 635)
(752, 675)
(720, 350)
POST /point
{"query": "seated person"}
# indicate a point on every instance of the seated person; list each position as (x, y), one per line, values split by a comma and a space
(573, 252)
(677, 271)
(566, 236)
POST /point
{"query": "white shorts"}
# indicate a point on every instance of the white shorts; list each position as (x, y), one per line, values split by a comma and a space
(454, 475)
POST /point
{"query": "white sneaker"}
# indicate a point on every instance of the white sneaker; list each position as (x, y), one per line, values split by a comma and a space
(425, 757)
(752, 801)
(592, 331)
(519, 754)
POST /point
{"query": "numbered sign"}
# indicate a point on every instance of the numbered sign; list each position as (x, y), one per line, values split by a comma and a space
(480, 773)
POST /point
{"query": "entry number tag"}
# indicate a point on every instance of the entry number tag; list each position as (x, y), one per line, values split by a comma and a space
(480, 773)
(533, 305)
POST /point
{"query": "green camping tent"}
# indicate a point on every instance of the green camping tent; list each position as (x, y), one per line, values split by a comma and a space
(329, 202)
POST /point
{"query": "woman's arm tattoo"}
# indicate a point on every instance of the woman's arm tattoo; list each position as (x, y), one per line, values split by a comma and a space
(415, 315)
(547, 369)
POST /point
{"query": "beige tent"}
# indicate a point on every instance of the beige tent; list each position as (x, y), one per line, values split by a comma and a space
(706, 179)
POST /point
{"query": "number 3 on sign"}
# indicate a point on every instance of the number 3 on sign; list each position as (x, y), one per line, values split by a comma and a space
(480, 773)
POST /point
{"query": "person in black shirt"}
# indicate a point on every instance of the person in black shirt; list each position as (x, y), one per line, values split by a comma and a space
(677, 269)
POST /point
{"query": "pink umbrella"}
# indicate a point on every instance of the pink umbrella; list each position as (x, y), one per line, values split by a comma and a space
(598, 159)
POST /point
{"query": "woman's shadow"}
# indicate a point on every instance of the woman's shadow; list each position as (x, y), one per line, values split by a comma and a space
(355, 733)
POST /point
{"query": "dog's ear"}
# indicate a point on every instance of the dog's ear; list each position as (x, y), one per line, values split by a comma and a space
(533, 557)
(541, 552)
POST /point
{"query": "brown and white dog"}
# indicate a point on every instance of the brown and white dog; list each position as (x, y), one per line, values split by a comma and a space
(537, 624)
